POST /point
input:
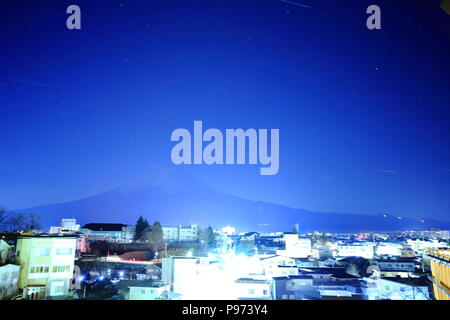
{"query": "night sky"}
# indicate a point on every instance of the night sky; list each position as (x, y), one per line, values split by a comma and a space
(363, 115)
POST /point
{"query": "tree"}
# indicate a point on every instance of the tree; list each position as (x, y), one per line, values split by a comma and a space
(355, 266)
(32, 222)
(141, 226)
(208, 238)
(154, 235)
(19, 221)
(3, 219)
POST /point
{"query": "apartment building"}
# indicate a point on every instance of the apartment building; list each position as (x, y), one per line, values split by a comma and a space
(181, 233)
(47, 264)
(440, 273)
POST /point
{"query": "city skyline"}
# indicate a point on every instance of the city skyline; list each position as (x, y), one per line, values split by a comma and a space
(363, 114)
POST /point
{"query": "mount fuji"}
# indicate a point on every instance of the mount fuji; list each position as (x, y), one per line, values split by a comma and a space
(173, 198)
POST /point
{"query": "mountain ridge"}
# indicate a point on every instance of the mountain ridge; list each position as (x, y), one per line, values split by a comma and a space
(174, 198)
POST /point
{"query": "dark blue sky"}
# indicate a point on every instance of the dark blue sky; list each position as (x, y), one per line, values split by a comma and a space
(363, 115)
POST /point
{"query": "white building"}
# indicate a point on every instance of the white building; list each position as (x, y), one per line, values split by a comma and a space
(9, 281)
(149, 290)
(229, 231)
(181, 273)
(66, 226)
(395, 289)
(295, 247)
(356, 250)
(249, 288)
(424, 245)
(321, 251)
(277, 266)
(5, 252)
(181, 233)
(391, 249)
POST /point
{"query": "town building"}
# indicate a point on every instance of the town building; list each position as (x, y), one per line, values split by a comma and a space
(112, 232)
(292, 288)
(252, 289)
(143, 290)
(295, 246)
(67, 226)
(47, 264)
(378, 288)
(440, 273)
(387, 248)
(5, 252)
(181, 233)
(396, 264)
(364, 250)
(9, 281)
(180, 273)
(327, 275)
(421, 246)
(431, 234)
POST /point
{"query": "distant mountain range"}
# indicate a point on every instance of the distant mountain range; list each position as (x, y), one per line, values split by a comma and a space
(173, 198)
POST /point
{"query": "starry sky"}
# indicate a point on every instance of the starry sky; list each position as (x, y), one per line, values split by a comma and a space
(363, 115)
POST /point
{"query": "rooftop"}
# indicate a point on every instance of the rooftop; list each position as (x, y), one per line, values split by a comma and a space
(338, 272)
(251, 280)
(104, 226)
(47, 236)
(293, 278)
(123, 284)
(443, 254)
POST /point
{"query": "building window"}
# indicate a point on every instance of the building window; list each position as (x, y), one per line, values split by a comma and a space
(57, 269)
(57, 288)
(64, 251)
(43, 252)
(39, 269)
(251, 291)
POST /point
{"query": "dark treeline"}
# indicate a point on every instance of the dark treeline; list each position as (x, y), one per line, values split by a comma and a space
(18, 221)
